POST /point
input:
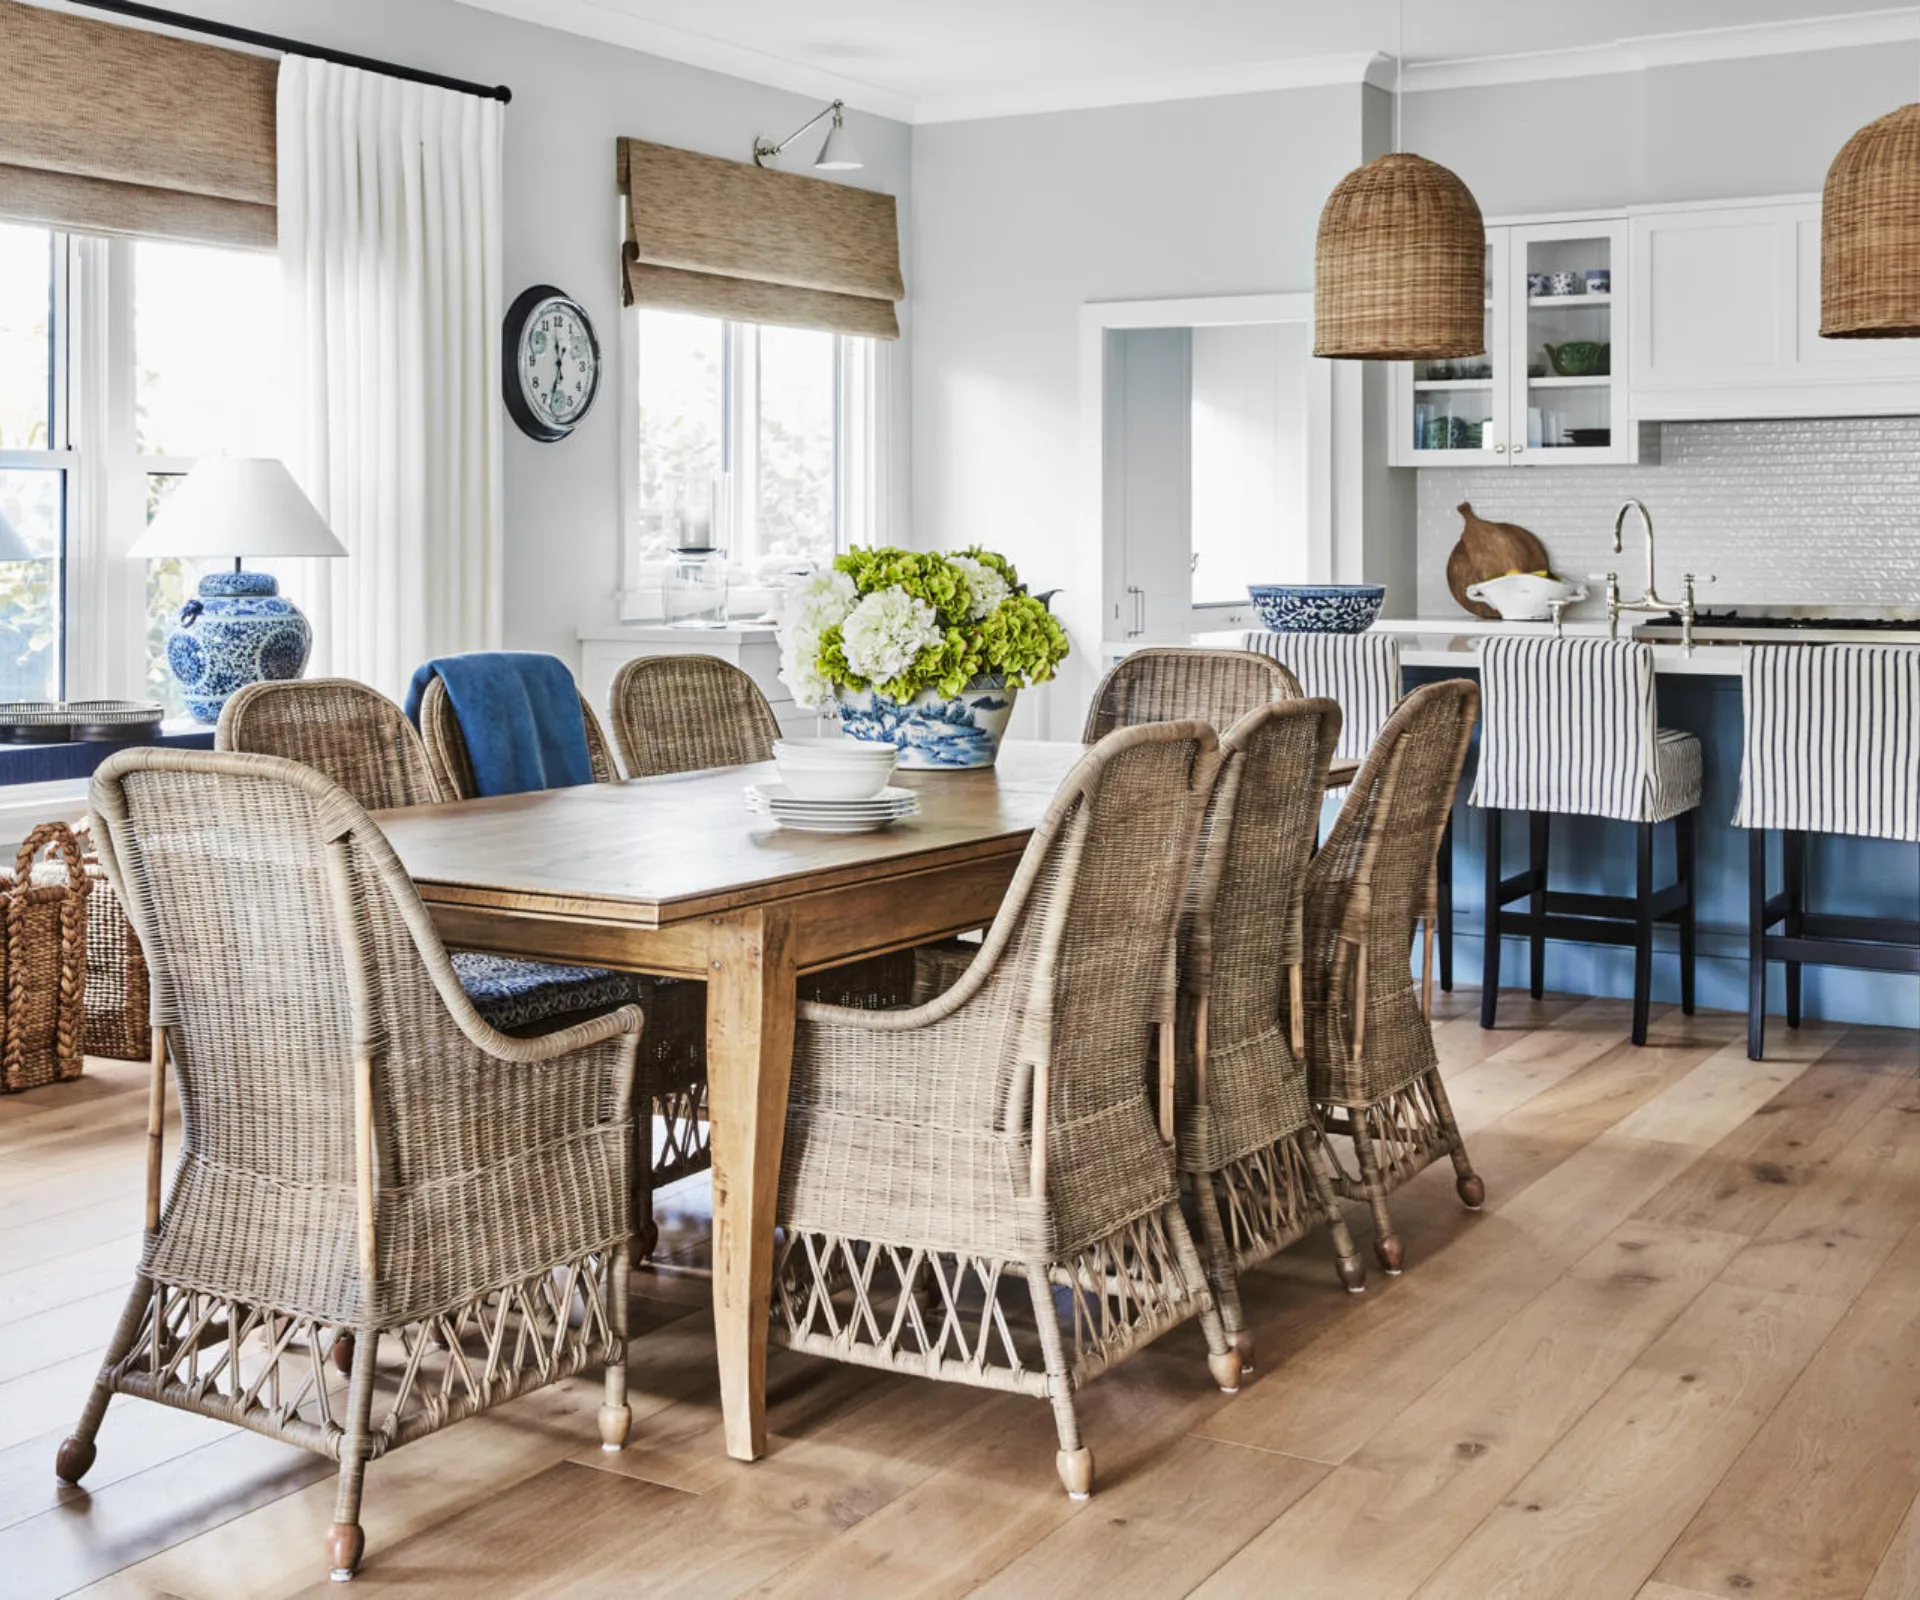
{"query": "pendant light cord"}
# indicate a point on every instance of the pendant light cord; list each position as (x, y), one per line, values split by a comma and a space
(1399, 76)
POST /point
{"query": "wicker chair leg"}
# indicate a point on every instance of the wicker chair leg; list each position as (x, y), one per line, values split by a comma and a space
(1223, 1361)
(1319, 1165)
(1473, 1192)
(342, 1353)
(345, 1540)
(76, 1452)
(616, 1416)
(646, 1231)
(1220, 1272)
(1386, 1243)
(1074, 1461)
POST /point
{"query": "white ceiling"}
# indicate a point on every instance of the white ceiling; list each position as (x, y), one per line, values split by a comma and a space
(935, 60)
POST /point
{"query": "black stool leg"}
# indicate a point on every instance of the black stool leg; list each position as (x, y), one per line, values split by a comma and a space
(1756, 943)
(1443, 904)
(1683, 864)
(1537, 903)
(1490, 973)
(1643, 933)
(1793, 864)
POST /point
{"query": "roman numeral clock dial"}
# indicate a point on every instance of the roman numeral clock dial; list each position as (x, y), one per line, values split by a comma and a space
(551, 363)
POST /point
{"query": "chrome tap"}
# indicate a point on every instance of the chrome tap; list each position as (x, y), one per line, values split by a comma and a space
(1650, 601)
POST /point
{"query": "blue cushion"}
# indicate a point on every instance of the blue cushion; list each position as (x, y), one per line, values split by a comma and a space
(510, 993)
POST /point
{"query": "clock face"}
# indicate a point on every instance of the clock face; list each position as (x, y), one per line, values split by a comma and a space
(555, 363)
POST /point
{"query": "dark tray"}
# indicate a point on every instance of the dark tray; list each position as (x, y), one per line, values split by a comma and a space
(79, 721)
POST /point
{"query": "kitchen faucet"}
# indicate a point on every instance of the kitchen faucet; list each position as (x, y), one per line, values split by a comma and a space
(1650, 601)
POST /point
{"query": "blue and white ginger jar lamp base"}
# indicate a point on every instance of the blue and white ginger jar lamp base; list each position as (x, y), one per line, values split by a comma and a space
(239, 631)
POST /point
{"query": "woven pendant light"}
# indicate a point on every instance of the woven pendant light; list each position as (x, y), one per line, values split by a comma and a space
(1399, 267)
(1870, 233)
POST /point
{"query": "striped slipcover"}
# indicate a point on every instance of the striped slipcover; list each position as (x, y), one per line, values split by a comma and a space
(1832, 740)
(1358, 672)
(1568, 725)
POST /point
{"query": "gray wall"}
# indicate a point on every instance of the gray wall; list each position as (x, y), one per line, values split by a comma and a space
(1708, 131)
(1019, 221)
(572, 97)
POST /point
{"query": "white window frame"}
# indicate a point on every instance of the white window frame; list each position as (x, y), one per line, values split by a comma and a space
(863, 370)
(93, 440)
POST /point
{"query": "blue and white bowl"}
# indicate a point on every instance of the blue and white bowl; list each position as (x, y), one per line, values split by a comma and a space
(1318, 607)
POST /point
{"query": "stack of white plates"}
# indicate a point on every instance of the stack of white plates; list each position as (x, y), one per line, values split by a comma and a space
(778, 801)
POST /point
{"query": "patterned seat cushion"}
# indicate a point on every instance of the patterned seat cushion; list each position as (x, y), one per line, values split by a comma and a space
(510, 993)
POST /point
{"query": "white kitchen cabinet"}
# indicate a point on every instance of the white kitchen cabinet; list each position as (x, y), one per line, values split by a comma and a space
(1725, 322)
(751, 647)
(1550, 387)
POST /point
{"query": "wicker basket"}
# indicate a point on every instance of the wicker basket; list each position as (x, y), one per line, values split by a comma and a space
(43, 963)
(117, 1026)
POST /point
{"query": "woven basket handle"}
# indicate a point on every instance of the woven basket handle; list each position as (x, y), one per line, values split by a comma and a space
(57, 839)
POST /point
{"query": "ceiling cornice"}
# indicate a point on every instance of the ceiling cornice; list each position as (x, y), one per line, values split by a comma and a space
(605, 22)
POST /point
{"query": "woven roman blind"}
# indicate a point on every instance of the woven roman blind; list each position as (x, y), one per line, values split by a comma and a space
(106, 129)
(729, 239)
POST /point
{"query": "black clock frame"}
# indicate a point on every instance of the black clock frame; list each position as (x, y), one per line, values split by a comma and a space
(531, 422)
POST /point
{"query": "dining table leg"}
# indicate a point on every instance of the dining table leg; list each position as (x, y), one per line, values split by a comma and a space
(750, 1015)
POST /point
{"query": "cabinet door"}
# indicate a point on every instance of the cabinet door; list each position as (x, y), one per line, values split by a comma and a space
(1842, 361)
(1148, 497)
(1567, 381)
(1454, 413)
(1717, 303)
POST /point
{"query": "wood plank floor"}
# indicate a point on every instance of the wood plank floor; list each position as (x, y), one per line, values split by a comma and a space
(1673, 1358)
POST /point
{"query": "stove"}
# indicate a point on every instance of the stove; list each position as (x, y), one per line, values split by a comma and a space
(1899, 623)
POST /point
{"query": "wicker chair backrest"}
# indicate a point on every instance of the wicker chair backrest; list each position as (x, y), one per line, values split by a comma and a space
(353, 734)
(1218, 687)
(689, 713)
(447, 745)
(1256, 842)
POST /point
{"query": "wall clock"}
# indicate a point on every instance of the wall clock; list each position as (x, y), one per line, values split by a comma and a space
(550, 363)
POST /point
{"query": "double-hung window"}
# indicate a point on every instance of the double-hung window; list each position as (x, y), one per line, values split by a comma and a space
(122, 362)
(761, 440)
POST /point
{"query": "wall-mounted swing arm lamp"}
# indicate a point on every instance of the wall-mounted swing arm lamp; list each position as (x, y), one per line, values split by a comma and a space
(836, 152)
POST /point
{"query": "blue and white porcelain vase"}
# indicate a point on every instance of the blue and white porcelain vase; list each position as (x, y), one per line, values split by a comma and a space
(931, 731)
(239, 631)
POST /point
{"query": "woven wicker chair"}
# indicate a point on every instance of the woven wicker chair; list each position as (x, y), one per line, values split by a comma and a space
(363, 1156)
(1249, 1140)
(1164, 685)
(689, 713)
(447, 746)
(1371, 1064)
(1005, 1134)
(363, 741)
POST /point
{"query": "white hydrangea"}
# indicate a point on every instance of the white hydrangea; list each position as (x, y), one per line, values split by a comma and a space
(809, 608)
(987, 586)
(885, 632)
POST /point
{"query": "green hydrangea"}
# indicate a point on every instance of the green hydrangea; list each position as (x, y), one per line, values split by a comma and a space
(1013, 639)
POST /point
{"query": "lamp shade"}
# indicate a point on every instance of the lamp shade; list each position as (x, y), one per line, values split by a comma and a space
(1870, 233)
(237, 506)
(1399, 266)
(12, 546)
(837, 153)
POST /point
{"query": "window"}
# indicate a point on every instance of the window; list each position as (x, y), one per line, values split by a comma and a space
(121, 362)
(760, 440)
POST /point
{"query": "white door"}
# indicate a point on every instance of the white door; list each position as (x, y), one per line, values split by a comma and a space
(1149, 481)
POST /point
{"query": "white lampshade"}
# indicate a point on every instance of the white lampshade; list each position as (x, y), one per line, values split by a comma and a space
(12, 546)
(233, 507)
(837, 153)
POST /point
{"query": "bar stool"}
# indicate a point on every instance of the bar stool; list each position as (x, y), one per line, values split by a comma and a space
(1360, 673)
(1568, 726)
(1831, 745)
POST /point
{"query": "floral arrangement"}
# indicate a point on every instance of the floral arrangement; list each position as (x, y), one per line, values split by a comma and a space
(900, 621)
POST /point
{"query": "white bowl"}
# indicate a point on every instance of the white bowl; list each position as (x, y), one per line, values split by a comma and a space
(834, 769)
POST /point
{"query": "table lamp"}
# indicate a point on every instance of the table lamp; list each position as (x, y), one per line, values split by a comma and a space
(239, 630)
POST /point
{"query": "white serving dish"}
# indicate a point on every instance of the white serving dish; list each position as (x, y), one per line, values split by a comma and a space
(1525, 596)
(833, 769)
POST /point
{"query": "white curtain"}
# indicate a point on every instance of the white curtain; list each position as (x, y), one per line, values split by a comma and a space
(390, 249)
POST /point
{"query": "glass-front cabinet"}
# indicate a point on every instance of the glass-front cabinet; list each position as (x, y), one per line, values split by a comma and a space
(1547, 389)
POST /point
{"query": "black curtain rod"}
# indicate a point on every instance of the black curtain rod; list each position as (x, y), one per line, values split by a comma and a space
(293, 47)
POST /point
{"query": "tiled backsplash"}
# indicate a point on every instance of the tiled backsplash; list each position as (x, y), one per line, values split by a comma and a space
(1806, 512)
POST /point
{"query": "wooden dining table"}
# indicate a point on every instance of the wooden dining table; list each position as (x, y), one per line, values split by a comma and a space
(673, 877)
